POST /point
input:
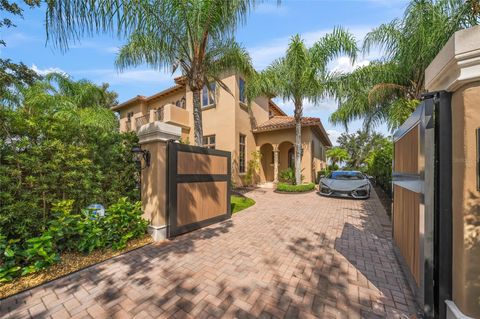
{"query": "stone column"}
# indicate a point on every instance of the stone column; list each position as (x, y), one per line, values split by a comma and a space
(275, 163)
(457, 69)
(152, 116)
(153, 138)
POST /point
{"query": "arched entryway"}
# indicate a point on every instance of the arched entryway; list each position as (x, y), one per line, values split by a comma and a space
(267, 162)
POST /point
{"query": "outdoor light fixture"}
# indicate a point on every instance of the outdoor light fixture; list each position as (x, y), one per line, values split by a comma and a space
(139, 154)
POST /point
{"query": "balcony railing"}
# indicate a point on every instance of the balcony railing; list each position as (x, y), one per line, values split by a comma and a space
(159, 114)
(168, 113)
(142, 120)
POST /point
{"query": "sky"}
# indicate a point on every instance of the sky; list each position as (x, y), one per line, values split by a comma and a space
(265, 35)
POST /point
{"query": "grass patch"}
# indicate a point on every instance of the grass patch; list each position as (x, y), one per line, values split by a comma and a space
(283, 187)
(239, 203)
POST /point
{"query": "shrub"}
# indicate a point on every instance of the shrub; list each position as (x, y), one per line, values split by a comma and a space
(379, 165)
(70, 231)
(283, 187)
(288, 176)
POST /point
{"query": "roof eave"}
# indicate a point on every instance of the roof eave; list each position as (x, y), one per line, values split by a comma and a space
(147, 99)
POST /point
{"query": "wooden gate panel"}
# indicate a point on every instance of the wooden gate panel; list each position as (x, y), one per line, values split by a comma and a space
(197, 163)
(200, 201)
(198, 187)
(406, 227)
(406, 152)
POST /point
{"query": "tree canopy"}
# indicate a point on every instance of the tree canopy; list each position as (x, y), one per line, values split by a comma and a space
(389, 89)
(302, 74)
(56, 145)
(196, 37)
(13, 75)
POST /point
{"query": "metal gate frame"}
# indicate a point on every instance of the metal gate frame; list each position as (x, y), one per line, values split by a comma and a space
(434, 184)
(173, 179)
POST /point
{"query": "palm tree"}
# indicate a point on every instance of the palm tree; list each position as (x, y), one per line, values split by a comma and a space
(195, 36)
(302, 75)
(80, 103)
(390, 89)
(337, 155)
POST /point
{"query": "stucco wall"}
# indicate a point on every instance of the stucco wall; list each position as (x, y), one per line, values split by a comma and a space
(154, 184)
(288, 135)
(217, 120)
(171, 98)
(142, 108)
(139, 109)
(466, 200)
(319, 157)
(227, 120)
(243, 125)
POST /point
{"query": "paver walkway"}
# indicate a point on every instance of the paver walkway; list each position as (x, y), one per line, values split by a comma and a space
(287, 256)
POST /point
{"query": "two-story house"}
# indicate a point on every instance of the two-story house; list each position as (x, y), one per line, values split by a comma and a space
(230, 125)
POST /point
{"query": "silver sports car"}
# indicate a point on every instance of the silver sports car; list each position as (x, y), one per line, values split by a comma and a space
(352, 184)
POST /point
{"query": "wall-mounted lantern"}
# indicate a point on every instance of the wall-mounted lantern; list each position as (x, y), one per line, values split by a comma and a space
(139, 155)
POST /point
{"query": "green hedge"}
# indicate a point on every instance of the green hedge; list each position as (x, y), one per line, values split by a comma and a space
(53, 148)
(282, 187)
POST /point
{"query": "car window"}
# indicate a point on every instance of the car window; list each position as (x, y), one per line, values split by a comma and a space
(346, 176)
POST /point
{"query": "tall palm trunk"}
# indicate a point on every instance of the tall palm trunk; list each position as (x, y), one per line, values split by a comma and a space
(197, 119)
(298, 143)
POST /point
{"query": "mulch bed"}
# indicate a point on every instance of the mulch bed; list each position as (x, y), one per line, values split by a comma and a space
(384, 199)
(70, 262)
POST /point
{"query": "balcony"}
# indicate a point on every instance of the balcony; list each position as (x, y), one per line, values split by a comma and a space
(168, 113)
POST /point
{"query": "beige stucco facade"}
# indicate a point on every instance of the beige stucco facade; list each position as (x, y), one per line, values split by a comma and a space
(457, 69)
(228, 119)
(466, 200)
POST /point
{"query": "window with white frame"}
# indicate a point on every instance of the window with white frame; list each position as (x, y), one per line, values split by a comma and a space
(209, 141)
(241, 153)
(208, 97)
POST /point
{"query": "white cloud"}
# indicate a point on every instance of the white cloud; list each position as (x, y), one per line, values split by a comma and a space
(18, 39)
(93, 45)
(47, 70)
(264, 54)
(113, 76)
(344, 64)
(328, 105)
(334, 135)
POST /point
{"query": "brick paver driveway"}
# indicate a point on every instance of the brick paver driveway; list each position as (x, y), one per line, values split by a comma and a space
(287, 256)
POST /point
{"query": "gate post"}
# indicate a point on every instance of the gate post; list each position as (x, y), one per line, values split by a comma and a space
(153, 137)
(456, 69)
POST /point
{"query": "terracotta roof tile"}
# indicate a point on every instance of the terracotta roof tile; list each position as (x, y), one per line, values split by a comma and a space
(283, 122)
(144, 98)
(274, 106)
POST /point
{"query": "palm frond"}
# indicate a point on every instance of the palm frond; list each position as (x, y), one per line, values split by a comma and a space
(332, 45)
